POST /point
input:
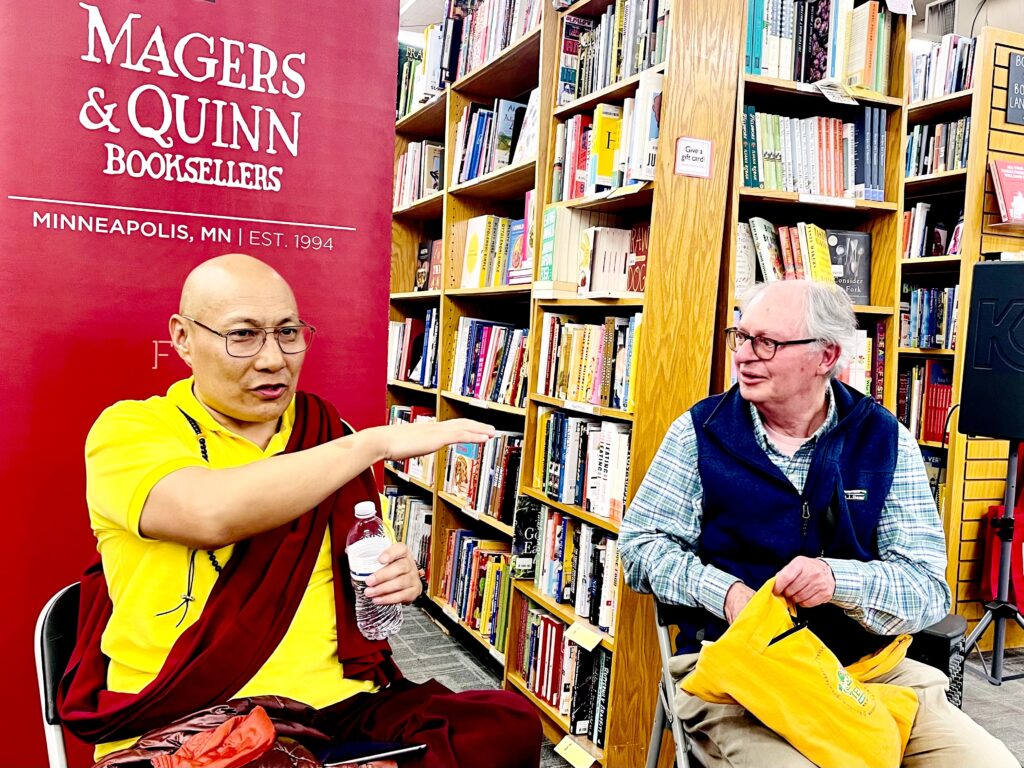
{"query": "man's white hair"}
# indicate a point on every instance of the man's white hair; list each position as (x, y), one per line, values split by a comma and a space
(828, 317)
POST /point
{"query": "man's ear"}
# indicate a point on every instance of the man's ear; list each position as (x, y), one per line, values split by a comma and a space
(181, 339)
(829, 356)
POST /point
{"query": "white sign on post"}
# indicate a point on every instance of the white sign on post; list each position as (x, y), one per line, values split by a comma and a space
(693, 157)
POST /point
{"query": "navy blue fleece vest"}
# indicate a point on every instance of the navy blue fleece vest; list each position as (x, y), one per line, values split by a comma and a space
(755, 521)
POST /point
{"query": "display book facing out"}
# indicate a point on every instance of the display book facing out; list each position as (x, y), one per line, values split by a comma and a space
(953, 220)
(573, 442)
(817, 191)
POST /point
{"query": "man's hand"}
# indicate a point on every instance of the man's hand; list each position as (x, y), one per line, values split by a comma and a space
(398, 581)
(403, 441)
(806, 582)
(736, 598)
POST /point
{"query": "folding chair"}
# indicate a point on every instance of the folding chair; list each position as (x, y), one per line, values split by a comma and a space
(56, 630)
(940, 645)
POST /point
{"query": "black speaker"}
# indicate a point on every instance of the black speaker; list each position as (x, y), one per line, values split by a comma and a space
(992, 392)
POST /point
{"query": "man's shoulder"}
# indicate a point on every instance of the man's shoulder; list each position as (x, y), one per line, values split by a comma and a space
(153, 411)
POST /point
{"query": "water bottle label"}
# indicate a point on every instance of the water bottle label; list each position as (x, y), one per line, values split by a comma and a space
(363, 556)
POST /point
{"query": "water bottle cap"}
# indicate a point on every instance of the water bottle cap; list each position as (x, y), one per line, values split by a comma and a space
(365, 509)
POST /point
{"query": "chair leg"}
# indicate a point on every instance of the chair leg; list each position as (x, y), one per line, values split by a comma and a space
(657, 732)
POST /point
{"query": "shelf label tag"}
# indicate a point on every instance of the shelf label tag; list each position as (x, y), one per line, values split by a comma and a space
(583, 635)
(693, 157)
(572, 405)
(904, 7)
(570, 751)
(499, 657)
(835, 92)
(838, 202)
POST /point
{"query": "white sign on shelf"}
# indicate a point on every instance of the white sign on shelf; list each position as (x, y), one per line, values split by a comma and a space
(584, 635)
(838, 202)
(570, 750)
(693, 157)
(902, 7)
(835, 92)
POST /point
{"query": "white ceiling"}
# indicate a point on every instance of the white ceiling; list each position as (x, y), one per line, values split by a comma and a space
(414, 15)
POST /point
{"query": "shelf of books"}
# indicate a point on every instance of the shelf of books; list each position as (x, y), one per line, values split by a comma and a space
(956, 130)
(520, 297)
(817, 183)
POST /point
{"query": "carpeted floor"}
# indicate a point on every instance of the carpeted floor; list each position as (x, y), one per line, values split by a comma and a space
(423, 649)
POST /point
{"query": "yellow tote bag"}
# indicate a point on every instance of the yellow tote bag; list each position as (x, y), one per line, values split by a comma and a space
(790, 681)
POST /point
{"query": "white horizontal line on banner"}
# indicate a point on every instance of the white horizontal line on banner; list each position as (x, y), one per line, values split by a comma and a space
(178, 213)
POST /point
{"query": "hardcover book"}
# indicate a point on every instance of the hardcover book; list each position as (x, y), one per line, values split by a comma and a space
(850, 254)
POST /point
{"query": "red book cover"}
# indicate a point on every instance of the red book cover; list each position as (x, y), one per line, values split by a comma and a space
(1008, 181)
(938, 387)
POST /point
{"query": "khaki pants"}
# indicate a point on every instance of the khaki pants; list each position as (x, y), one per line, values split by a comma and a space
(942, 736)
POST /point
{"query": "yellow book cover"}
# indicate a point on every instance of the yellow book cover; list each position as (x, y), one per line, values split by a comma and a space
(817, 252)
(485, 606)
(604, 140)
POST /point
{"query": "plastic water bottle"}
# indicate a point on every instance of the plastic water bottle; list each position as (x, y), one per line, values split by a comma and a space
(366, 541)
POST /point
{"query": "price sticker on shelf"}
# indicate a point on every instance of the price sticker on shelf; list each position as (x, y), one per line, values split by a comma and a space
(571, 751)
(583, 635)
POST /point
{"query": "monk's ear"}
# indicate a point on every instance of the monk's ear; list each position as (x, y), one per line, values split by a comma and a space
(181, 338)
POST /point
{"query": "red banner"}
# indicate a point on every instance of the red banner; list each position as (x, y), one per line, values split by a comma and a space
(138, 139)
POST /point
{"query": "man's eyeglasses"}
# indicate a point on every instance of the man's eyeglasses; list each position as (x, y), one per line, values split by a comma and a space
(764, 348)
(247, 342)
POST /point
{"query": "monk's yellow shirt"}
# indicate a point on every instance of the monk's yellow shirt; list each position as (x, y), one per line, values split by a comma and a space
(132, 446)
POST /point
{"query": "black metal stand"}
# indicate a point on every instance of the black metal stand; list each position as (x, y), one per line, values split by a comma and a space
(1001, 609)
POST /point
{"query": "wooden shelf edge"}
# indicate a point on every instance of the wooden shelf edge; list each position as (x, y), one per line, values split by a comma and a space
(584, 408)
(484, 404)
(421, 204)
(409, 478)
(603, 523)
(414, 295)
(930, 260)
(872, 309)
(807, 89)
(463, 506)
(452, 616)
(467, 81)
(551, 712)
(495, 177)
(934, 178)
(411, 386)
(421, 112)
(493, 290)
(613, 92)
(793, 198)
(568, 299)
(919, 111)
(925, 351)
(561, 611)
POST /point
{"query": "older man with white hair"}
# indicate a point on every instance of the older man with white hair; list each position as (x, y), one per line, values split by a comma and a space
(792, 474)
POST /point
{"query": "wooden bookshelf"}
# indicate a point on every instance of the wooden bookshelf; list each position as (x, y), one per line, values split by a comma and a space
(882, 219)
(976, 466)
(406, 477)
(675, 348)
(427, 207)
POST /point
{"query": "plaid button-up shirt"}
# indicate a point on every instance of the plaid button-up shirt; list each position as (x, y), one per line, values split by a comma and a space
(904, 590)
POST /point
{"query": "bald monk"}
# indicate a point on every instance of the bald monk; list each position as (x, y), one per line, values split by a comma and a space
(220, 512)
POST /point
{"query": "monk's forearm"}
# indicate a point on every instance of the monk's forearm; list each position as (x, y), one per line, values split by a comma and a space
(210, 508)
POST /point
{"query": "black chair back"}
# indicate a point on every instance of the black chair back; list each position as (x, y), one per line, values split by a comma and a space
(58, 632)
